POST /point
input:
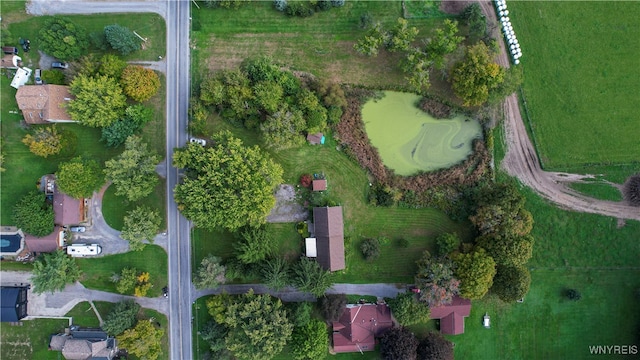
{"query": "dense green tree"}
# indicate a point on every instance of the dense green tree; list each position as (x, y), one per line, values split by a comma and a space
(275, 273)
(33, 214)
(476, 75)
(370, 249)
(63, 39)
(511, 283)
(139, 83)
(299, 313)
(416, 66)
(214, 334)
(447, 243)
(283, 129)
(501, 211)
(217, 306)
(475, 271)
(435, 347)
(310, 342)
(140, 225)
(254, 244)
(443, 42)
(127, 280)
(258, 327)
(121, 318)
(227, 185)
(407, 311)
(309, 276)
(143, 341)
(509, 250)
(53, 76)
(45, 141)
(573, 294)
(435, 279)
(98, 102)
(398, 343)
(112, 66)
(133, 172)
(475, 20)
(121, 39)
(135, 117)
(332, 306)
(210, 273)
(79, 177)
(197, 117)
(331, 93)
(401, 36)
(268, 95)
(513, 78)
(261, 69)
(53, 271)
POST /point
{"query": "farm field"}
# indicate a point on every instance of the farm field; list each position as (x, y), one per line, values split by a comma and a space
(581, 81)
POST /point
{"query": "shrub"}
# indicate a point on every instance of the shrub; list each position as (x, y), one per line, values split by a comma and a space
(447, 243)
(573, 294)
(280, 5)
(337, 3)
(139, 83)
(403, 243)
(370, 249)
(631, 190)
(55, 77)
(306, 180)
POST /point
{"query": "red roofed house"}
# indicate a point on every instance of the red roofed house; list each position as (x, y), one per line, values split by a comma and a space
(315, 139)
(319, 185)
(43, 104)
(452, 315)
(359, 326)
(329, 235)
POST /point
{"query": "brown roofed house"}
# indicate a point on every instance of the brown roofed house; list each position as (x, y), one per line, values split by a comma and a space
(84, 344)
(68, 211)
(43, 104)
(319, 185)
(359, 326)
(315, 139)
(329, 235)
(45, 244)
(452, 315)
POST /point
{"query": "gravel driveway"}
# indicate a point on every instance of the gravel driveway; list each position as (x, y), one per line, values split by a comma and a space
(287, 208)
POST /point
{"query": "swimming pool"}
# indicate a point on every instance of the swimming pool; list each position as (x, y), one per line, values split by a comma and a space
(10, 243)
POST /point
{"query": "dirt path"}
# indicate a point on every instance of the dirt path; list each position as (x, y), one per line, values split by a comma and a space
(522, 162)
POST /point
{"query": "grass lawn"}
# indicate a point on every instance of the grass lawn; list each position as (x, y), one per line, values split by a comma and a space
(97, 272)
(114, 208)
(150, 26)
(31, 340)
(322, 44)
(84, 316)
(581, 80)
(598, 190)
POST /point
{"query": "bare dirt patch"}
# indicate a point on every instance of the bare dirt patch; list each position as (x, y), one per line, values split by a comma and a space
(453, 6)
(287, 208)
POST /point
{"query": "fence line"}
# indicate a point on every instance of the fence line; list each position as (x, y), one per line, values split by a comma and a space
(530, 127)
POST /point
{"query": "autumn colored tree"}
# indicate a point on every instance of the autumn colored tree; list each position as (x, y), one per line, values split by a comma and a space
(475, 271)
(370, 44)
(143, 341)
(476, 75)
(98, 102)
(79, 177)
(139, 83)
(45, 141)
(227, 184)
(435, 278)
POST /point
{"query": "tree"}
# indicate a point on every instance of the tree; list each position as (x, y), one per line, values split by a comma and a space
(121, 39)
(444, 41)
(227, 185)
(112, 66)
(63, 39)
(133, 173)
(258, 327)
(254, 244)
(398, 343)
(139, 83)
(283, 129)
(214, 334)
(501, 211)
(407, 310)
(143, 341)
(370, 249)
(400, 37)
(45, 141)
(436, 280)
(416, 66)
(275, 273)
(331, 94)
(99, 100)
(309, 276)
(435, 347)
(127, 280)
(511, 283)
(332, 306)
(475, 20)
(310, 342)
(79, 177)
(299, 313)
(33, 214)
(143, 285)
(509, 250)
(53, 271)
(135, 117)
(631, 190)
(372, 41)
(476, 75)
(210, 274)
(447, 243)
(55, 77)
(121, 318)
(141, 224)
(475, 271)
(268, 95)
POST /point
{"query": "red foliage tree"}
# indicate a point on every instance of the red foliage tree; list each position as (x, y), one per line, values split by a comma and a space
(305, 180)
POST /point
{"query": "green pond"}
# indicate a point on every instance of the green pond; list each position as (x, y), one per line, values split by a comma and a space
(410, 141)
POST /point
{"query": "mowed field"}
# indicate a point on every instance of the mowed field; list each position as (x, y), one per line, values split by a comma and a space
(582, 80)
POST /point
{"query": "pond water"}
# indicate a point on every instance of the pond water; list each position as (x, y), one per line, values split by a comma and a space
(409, 140)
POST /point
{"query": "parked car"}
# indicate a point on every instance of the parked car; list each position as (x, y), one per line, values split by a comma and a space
(59, 65)
(165, 291)
(37, 75)
(82, 250)
(79, 229)
(202, 142)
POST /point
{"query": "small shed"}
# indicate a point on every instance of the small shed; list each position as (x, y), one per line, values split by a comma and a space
(315, 139)
(310, 247)
(319, 185)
